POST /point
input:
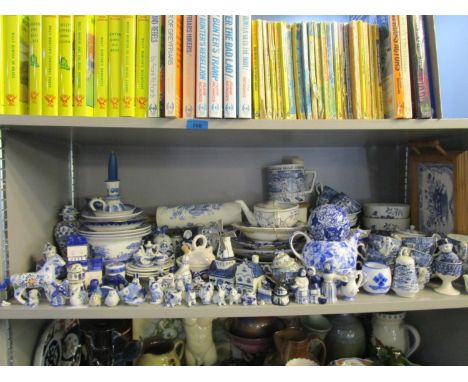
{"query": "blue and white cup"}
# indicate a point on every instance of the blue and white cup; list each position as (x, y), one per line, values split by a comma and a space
(350, 205)
(421, 243)
(386, 245)
(421, 259)
(290, 183)
(377, 278)
(372, 255)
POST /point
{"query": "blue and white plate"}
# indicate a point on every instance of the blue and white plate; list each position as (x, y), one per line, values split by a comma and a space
(112, 226)
(87, 214)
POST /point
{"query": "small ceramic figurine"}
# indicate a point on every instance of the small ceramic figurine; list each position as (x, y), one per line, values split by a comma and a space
(353, 282)
(59, 294)
(220, 295)
(184, 270)
(33, 298)
(314, 278)
(249, 298)
(66, 227)
(448, 267)
(133, 293)
(173, 297)
(111, 297)
(301, 284)
(328, 288)
(200, 348)
(234, 296)
(190, 295)
(314, 294)
(280, 295)
(206, 293)
(264, 293)
(78, 295)
(95, 298)
(156, 292)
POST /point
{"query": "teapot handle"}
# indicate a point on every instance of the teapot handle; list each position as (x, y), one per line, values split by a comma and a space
(416, 337)
(313, 175)
(291, 243)
(198, 237)
(359, 279)
(93, 201)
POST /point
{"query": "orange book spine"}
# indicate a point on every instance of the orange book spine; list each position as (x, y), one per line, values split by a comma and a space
(173, 66)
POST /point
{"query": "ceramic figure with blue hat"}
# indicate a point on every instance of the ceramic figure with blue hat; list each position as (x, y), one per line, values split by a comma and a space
(67, 226)
(249, 297)
(264, 293)
(405, 279)
(219, 298)
(206, 293)
(314, 294)
(313, 277)
(190, 295)
(110, 295)
(133, 293)
(448, 267)
(95, 297)
(234, 297)
(156, 292)
(301, 285)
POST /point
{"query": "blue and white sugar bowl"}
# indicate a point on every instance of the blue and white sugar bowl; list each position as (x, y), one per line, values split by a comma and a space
(448, 267)
(328, 223)
(377, 278)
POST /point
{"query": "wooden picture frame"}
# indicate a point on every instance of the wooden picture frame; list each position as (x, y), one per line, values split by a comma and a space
(439, 192)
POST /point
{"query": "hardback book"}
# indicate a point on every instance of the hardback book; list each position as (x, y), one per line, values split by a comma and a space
(326, 93)
(142, 66)
(272, 66)
(279, 82)
(173, 66)
(355, 69)
(316, 99)
(128, 66)
(290, 71)
(305, 69)
(35, 64)
(202, 67)
(101, 73)
(319, 72)
(373, 81)
(16, 49)
(405, 67)
(215, 67)
(266, 69)
(419, 68)
(189, 50)
(380, 104)
(296, 35)
(347, 99)
(115, 75)
(2, 68)
(230, 67)
(65, 65)
(50, 32)
(154, 85)
(244, 67)
(255, 72)
(83, 84)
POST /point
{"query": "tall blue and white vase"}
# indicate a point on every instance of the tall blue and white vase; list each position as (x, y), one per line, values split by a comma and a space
(67, 226)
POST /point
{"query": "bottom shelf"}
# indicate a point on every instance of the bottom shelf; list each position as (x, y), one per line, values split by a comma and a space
(364, 303)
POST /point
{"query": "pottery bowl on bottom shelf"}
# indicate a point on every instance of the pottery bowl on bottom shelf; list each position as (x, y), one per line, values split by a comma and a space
(384, 224)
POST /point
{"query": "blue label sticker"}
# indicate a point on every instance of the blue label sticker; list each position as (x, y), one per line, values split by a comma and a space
(196, 124)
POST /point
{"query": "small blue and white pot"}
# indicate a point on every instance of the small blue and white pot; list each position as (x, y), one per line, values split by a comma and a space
(377, 278)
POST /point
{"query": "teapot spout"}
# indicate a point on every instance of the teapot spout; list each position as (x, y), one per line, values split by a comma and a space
(248, 214)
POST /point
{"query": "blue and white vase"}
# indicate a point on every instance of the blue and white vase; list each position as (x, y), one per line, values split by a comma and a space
(66, 227)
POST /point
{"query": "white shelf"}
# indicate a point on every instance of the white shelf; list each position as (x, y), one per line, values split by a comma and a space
(364, 303)
(238, 132)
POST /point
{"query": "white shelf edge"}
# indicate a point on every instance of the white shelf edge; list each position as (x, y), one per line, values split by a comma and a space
(232, 124)
(364, 303)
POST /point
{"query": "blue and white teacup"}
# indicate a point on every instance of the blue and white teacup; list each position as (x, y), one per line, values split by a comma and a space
(386, 245)
(422, 259)
(350, 205)
(377, 278)
(421, 243)
(372, 255)
(290, 183)
(325, 194)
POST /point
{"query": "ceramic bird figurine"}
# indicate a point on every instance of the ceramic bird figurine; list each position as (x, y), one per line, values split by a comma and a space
(111, 297)
(95, 298)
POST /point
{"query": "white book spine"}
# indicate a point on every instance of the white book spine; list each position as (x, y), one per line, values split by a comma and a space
(170, 66)
(405, 67)
(153, 89)
(244, 66)
(215, 64)
(230, 67)
(202, 67)
(189, 66)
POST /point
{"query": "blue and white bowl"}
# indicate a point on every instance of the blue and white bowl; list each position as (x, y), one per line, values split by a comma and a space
(448, 269)
(387, 210)
(328, 223)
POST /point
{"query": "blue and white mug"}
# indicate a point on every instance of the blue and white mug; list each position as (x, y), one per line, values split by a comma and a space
(377, 278)
(290, 183)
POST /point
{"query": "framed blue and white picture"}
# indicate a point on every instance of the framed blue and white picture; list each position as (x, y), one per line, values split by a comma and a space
(439, 198)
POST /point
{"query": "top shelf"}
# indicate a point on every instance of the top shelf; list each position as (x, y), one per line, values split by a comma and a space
(239, 132)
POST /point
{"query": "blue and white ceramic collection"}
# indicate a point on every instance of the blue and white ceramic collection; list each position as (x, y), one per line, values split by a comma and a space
(377, 278)
(328, 222)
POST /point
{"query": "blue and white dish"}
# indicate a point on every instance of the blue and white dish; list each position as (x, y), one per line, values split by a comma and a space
(328, 222)
(88, 215)
(386, 210)
(113, 226)
(377, 278)
(385, 224)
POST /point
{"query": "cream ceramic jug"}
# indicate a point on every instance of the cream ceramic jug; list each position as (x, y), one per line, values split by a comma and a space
(390, 330)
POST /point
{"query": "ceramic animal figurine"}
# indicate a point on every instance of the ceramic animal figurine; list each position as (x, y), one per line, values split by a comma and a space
(200, 348)
(206, 293)
(166, 281)
(301, 284)
(405, 280)
(58, 294)
(133, 293)
(220, 295)
(448, 267)
(95, 298)
(156, 292)
(173, 297)
(190, 295)
(33, 298)
(349, 290)
(234, 296)
(78, 295)
(111, 296)
(249, 298)
(42, 279)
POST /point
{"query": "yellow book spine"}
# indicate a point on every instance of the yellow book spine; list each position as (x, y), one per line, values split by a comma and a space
(101, 73)
(325, 72)
(83, 93)
(2, 67)
(337, 64)
(65, 65)
(283, 68)
(373, 95)
(16, 35)
(114, 77)
(405, 68)
(272, 64)
(378, 75)
(142, 66)
(261, 70)
(266, 68)
(366, 101)
(255, 72)
(50, 65)
(312, 69)
(318, 72)
(296, 63)
(280, 68)
(127, 52)
(355, 71)
(35, 65)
